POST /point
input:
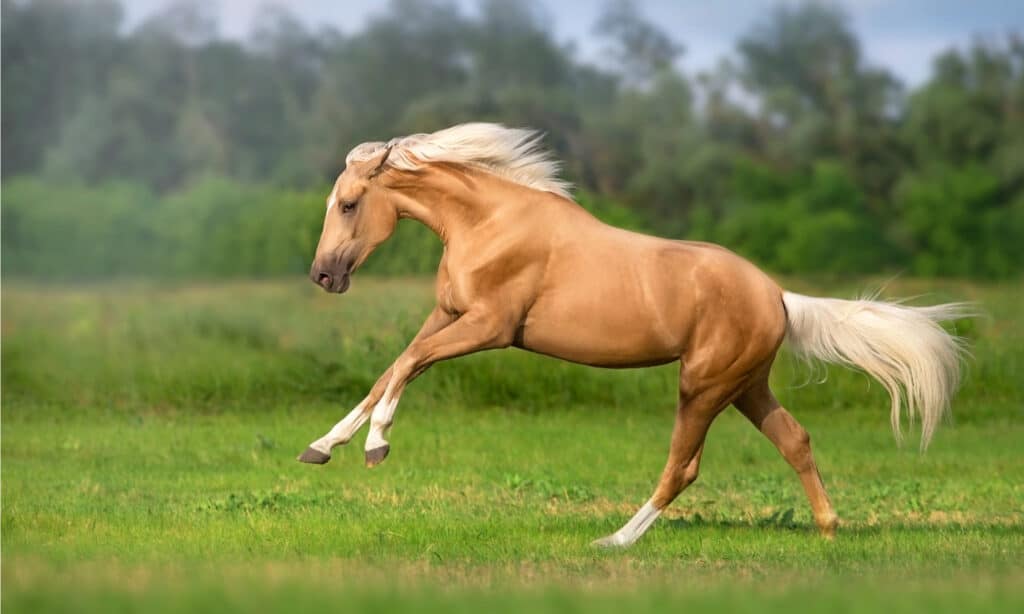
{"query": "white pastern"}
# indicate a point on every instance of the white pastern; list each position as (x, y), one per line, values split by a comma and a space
(380, 422)
(343, 431)
(632, 530)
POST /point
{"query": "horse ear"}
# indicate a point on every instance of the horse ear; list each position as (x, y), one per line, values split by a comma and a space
(376, 163)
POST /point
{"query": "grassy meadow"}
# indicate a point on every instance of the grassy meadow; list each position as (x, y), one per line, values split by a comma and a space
(150, 433)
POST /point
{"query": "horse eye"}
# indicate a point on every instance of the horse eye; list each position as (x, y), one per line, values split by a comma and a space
(348, 207)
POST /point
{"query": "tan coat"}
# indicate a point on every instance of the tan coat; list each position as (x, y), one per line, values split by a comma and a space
(530, 268)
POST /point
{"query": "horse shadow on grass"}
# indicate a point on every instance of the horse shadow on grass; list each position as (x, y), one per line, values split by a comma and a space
(784, 521)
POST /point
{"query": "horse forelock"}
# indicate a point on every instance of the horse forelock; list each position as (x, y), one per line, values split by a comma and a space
(514, 154)
(364, 151)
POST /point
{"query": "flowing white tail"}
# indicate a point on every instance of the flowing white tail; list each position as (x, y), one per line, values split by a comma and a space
(902, 347)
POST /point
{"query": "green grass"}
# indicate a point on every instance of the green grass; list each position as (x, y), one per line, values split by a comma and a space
(149, 436)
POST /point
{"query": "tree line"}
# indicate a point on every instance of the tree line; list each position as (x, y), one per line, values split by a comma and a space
(169, 150)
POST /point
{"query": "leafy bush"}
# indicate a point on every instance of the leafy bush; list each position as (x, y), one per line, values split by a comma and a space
(943, 222)
(817, 223)
(74, 231)
(960, 223)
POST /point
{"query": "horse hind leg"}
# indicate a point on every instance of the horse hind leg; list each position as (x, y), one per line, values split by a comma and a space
(760, 406)
(693, 418)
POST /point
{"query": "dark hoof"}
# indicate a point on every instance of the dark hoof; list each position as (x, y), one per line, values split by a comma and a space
(314, 457)
(376, 455)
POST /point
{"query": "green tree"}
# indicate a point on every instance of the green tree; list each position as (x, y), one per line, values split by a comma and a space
(817, 97)
(57, 54)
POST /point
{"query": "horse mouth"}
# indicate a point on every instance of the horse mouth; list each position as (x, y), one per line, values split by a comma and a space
(343, 284)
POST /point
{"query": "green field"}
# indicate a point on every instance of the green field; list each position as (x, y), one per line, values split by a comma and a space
(150, 431)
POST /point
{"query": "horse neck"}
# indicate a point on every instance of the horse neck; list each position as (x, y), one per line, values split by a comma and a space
(444, 197)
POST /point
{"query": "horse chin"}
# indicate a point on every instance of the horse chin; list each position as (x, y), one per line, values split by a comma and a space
(346, 281)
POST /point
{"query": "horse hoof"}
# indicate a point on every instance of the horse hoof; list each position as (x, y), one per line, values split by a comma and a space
(314, 457)
(376, 455)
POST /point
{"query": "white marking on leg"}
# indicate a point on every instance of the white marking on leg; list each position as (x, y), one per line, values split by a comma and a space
(343, 431)
(380, 422)
(632, 530)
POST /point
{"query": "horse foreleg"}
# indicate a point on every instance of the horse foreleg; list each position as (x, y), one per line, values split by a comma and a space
(472, 332)
(319, 452)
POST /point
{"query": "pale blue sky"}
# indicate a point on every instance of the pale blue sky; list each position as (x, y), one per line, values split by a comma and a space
(902, 35)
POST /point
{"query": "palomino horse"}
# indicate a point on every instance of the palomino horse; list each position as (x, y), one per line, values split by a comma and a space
(525, 266)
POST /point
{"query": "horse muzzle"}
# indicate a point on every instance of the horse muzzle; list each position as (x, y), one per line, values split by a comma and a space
(332, 281)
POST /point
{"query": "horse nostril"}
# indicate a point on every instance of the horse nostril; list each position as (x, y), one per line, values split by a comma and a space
(324, 280)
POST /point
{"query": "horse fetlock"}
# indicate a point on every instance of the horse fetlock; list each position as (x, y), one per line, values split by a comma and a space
(382, 425)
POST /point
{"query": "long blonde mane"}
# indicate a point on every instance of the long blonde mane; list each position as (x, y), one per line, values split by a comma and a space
(514, 154)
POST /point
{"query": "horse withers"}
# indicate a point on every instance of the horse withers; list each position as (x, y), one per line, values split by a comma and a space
(525, 266)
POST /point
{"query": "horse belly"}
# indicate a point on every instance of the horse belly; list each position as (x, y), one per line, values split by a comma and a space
(599, 331)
